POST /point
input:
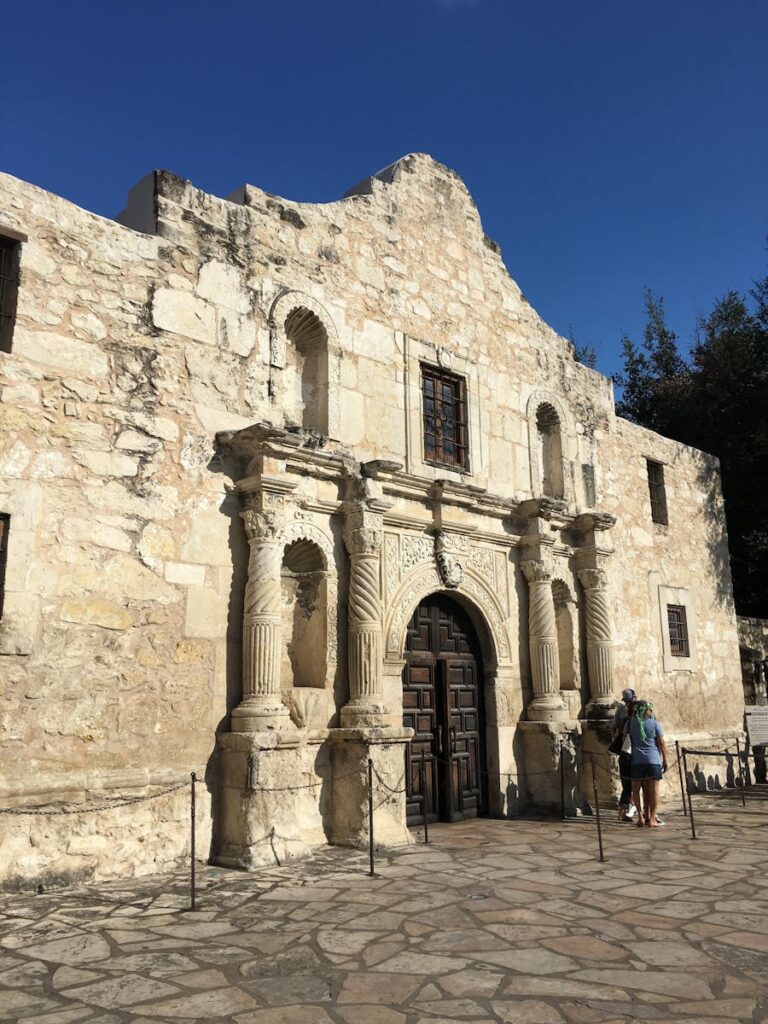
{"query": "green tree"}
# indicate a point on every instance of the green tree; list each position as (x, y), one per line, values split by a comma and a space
(716, 400)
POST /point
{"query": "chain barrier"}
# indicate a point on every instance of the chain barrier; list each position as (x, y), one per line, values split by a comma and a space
(92, 809)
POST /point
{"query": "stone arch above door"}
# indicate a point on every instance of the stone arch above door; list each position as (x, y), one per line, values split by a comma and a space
(472, 593)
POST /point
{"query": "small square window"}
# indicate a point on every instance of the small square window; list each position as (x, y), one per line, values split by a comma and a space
(677, 619)
(657, 492)
(10, 250)
(5, 522)
(444, 411)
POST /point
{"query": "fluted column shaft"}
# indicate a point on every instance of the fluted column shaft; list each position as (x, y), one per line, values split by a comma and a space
(261, 706)
(363, 536)
(599, 637)
(547, 703)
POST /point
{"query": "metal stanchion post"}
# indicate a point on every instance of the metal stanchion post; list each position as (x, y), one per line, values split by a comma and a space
(423, 785)
(562, 784)
(193, 895)
(680, 774)
(370, 817)
(741, 774)
(597, 811)
(690, 801)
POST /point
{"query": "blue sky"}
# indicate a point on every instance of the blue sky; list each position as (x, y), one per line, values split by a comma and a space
(610, 146)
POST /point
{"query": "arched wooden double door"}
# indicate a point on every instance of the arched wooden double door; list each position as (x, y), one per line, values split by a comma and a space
(443, 704)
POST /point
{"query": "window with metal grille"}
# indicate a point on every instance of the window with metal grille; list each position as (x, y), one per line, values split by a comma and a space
(657, 492)
(5, 522)
(678, 631)
(9, 286)
(444, 405)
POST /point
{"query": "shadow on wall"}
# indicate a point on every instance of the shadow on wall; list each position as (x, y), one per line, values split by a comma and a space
(708, 479)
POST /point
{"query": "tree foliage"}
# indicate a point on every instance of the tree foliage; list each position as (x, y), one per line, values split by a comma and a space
(715, 399)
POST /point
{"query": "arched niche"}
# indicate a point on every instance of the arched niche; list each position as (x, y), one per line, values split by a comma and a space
(303, 582)
(550, 447)
(304, 352)
(565, 622)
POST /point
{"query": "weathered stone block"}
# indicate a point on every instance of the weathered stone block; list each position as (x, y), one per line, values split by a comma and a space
(184, 314)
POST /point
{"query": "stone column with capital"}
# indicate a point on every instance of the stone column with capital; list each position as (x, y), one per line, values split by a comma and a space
(547, 704)
(363, 538)
(261, 706)
(599, 642)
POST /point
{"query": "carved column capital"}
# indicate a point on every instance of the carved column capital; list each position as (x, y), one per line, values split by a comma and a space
(537, 571)
(593, 579)
(363, 531)
(266, 525)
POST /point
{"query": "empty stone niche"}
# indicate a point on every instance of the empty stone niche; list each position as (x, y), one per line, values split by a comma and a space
(306, 371)
(550, 451)
(304, 583)
(565, 622)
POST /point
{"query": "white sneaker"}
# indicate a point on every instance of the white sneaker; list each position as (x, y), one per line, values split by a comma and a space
(632, 811)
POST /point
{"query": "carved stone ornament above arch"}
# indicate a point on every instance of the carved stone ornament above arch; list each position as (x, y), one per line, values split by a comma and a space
(536, 400)
(472, 592)
(281, 309)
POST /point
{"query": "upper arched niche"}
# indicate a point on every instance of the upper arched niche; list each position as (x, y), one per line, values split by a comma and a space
(548, 439)
(301, 337)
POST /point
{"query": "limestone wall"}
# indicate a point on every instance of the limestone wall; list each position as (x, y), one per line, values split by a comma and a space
(120, 641)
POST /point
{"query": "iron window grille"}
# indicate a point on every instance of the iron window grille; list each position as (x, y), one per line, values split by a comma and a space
(677, 619)
(444, 406)
(657, 492)
(9, 286)
(5, 522)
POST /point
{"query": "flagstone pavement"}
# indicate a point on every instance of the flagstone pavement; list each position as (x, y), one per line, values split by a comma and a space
(493, 921)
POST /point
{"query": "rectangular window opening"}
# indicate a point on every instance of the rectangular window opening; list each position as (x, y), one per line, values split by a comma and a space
(444, 412)
(657, 492)
(5, 522)
(678, 631)
(10, 250)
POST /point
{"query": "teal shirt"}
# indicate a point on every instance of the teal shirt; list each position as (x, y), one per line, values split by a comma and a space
(645, 751)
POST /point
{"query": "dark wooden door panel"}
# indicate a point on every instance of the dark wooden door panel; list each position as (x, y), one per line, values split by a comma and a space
(442, 704)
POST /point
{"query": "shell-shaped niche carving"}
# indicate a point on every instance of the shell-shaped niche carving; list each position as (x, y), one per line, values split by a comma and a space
(305, 329)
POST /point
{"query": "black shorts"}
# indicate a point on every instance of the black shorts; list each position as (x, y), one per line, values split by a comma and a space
(646, 771)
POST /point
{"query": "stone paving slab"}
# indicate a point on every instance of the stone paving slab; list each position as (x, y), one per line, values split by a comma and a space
(495, 921)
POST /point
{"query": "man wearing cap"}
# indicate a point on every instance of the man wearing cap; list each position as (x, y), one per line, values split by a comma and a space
(623, 711)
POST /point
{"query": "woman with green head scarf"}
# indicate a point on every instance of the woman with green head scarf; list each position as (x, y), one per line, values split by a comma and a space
(649, 761)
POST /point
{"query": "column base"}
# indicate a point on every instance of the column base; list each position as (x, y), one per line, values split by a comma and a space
(548, 708)
(348, 819)
(259, 714)
(597, 763)
(273, 790)
(362, 716)
(600, 708)
(539, 784)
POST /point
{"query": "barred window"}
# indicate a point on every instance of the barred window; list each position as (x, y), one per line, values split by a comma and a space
(678, 631)
(5, 521)
(444, 406)
(657, 492)
(10, 249)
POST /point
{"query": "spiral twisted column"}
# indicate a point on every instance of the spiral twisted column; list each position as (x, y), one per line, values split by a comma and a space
(261, 706)
(547, 704)
(363, 537)
(599, 642)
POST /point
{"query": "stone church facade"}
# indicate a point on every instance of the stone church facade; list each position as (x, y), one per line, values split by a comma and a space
(287, 487)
